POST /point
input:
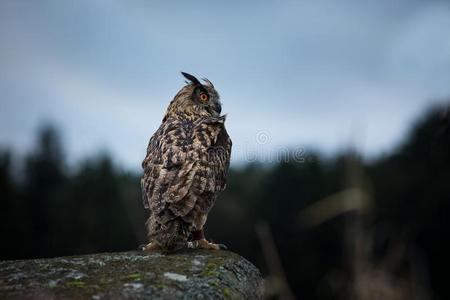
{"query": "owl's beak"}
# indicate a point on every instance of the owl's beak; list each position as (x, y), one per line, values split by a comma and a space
(218, 108)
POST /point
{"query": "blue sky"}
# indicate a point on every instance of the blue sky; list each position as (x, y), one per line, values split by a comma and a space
(310, 74)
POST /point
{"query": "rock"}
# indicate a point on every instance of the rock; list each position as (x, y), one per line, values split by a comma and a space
(189, 274)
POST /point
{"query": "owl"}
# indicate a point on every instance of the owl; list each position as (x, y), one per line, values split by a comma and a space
(185, 168)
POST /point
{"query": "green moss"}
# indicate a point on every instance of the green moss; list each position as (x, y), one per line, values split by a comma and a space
(210, 270)
(45, 268)
(76, 283)
(161, 286)
(214, 283)
(134, 276)
(212, 273)
(226, 293)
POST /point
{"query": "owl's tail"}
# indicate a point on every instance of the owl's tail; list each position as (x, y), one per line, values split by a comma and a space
(170, 236)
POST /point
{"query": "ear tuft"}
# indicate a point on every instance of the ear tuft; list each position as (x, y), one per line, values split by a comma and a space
(191, 78)
(208, 82)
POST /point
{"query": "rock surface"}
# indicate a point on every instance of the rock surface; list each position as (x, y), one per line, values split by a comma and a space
(189, 274)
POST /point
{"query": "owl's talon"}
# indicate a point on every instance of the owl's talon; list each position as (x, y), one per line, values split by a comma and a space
(204, 244)
(192, 245)
(150, 246)
(223, 247)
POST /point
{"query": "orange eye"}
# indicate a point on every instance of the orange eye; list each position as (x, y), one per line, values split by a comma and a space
(203, 97)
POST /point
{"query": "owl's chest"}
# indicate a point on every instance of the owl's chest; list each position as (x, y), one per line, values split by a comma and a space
(196, 134)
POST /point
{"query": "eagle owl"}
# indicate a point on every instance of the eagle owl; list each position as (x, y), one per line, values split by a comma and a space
(185, 168)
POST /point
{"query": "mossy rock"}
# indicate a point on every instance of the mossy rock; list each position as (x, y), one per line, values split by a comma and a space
(189, 274)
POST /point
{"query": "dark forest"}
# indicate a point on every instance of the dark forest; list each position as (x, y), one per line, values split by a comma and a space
(319, 228)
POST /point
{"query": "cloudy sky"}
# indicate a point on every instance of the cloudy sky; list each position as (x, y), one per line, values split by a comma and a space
(312, 74)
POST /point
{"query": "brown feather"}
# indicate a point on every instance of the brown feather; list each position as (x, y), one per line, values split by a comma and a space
(185, 168)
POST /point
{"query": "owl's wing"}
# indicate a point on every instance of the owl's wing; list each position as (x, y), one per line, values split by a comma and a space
(214, 148)
(213, 165)
(167, 166)
(176, 153)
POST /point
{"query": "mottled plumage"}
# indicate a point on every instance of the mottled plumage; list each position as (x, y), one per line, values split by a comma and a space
(185, 167)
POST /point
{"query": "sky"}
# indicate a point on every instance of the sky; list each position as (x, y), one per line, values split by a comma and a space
(297, 75)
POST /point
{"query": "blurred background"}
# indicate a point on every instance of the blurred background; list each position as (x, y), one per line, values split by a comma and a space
(339, 113)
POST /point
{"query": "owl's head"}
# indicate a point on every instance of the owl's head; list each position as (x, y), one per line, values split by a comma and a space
(195, 100)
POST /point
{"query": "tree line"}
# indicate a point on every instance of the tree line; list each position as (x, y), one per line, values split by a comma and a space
(332, 221)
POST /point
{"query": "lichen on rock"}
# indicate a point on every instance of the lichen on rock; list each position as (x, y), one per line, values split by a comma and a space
(188, 274)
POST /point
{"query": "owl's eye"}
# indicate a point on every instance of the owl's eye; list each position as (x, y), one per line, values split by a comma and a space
(204, 97)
